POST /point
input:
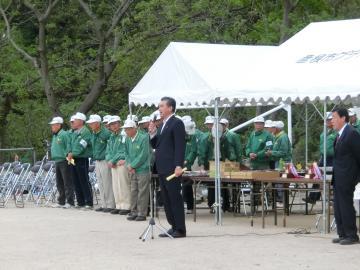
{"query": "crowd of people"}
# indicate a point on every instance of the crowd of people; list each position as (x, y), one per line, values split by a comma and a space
(127, 153)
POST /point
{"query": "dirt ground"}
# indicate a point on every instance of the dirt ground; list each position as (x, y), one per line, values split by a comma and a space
(47, 238)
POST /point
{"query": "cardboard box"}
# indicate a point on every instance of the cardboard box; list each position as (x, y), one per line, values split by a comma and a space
(226, 168)
(258, 175)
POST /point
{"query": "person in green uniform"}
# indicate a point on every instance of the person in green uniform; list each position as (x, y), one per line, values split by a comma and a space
(353, 120)
(230, 143)
(115, 157)
(331, 134)
(137, 158)
(60, 146)
(281, 150)
(105, 121)
(100, 137)
(269, 127)
(81, 151)
(258, 143)
(144, 124)
(191, 153)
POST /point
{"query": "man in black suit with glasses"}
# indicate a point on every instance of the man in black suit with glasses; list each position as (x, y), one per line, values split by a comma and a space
(346, 166)
(169, 143)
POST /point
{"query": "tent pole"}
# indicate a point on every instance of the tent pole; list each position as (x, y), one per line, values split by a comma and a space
(289, 122)
(324, 174)
(306, 134)
(218, 219)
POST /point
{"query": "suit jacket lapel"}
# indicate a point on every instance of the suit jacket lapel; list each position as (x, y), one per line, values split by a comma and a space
(160, 134)
(342, 137)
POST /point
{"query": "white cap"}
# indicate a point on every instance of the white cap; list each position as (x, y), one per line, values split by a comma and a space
(186, 118)
(79, 116)
(155, 115)
(268, 124)
(113, 119)
(189, 127)
(106, 118)
(145, 119)
(72, 118)
(57, 120)
(279, 124)
(224, 121)
(129, 124)
(93, 119)
(209, 119)
(259, 119)
(329, 116)
(132, 117)
(351, 112)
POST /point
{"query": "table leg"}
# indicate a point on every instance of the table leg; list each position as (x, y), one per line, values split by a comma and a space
(262, 205)
(252, 207)
(284, 208)
(194, 184)
(274, 204)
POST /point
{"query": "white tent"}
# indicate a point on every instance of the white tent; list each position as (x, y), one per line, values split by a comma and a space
(320, 63)
(196, 73)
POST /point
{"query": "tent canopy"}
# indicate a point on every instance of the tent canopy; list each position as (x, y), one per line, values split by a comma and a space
(321, 62)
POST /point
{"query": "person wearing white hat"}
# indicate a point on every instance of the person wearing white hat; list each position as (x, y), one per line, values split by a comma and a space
(81, 151)
(105, 120)
(115, 157)
(144, 123)
(330, 151)
(281, 150)
(353, 120)
(269, 126)
(137, 153)
(133, 117)
(60, 144)
(258, 143)
(232, 147)
(100, 137)
(190, 156)
(205, 145)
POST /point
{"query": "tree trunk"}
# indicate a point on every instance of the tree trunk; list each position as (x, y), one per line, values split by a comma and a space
(288, 7)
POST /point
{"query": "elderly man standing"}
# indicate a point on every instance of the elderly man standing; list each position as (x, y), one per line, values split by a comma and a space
(353, 120)
(100, 137)
(137, 156)
(60, 145)
(81, 151)
(281, 151)
(115, 157)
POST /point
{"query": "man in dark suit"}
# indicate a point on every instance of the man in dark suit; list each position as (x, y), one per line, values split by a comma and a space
(346, 166)
(169, 143)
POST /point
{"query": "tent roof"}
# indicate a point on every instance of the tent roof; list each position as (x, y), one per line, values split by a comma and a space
(320, 62)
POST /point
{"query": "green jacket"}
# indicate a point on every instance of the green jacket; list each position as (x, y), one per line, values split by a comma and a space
(356, 125)
(191, 151)
(205, 149)
(259, 142)
(99, 142)
(137, 153)
(281, 148)
(60, 145)
(81, 143)
(231, 146)
(115, 149)
(330, 140)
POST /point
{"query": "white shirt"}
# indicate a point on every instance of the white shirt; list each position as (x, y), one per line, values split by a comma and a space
(165, 121)
(342, 130)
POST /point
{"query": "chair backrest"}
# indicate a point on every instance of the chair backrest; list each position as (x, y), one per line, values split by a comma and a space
(91, 168)
(14, 164)
(48, 165)
(6, 165)
(38, 163)
(18, 169)
(35, 168)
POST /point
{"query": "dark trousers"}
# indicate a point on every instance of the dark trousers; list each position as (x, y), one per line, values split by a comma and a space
(188, 193)
(344, 210)
(224, 194)
(82, 184)
(64, 183)
(173, 202)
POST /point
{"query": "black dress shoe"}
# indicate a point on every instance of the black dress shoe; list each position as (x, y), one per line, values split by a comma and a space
(131, 217)
(100, 209)
(337, 240)
(124, 212)
(115, 211)
(140, 218)
(107, 210)
(170, 231)
(178, 234)
(349, 241)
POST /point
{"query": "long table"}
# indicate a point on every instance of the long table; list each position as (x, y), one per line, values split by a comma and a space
(265, 186)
